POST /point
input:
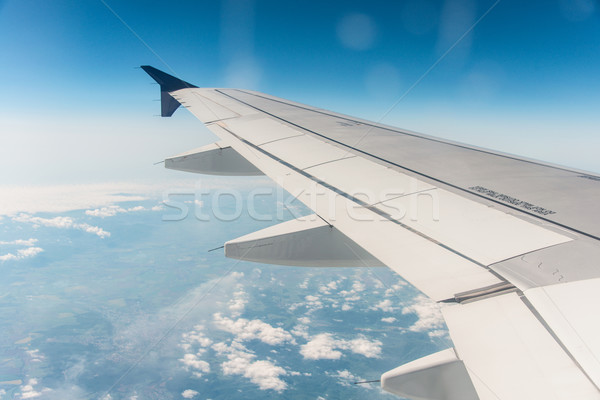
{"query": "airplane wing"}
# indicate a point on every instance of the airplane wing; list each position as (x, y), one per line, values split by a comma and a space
(508, 246)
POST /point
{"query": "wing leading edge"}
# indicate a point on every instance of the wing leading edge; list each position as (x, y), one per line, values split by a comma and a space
(460, 223)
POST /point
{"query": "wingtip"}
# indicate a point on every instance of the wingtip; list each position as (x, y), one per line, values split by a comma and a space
(168, 83)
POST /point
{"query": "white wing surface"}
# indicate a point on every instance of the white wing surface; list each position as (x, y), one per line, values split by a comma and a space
(508, 246)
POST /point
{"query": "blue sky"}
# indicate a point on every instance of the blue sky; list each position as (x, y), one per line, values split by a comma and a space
(75, 110)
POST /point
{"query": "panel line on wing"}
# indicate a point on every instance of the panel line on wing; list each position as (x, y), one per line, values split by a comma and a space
(375, 210)
(283, 138)
(473, 193)
(549, 329)
(389, 129)
(328, 162)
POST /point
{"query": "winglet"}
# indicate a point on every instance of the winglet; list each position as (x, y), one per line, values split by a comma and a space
(168, 83)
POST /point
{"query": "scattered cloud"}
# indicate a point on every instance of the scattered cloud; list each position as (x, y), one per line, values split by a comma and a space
(313, 302)
(358, 286)
(240, 361)
(384, 305)
(237, 275)
(300, 330)
(346, 378)
(322, 346)
(304, 284)
(61, 223)
(189, 394)
(112, 210)
(365, 347)
(389, 320)
(194, 363)
(325, 346)
(245, 330)
(19, 242)
(29, 390)
(395, 288)
(28, 252)
(326, 289)
(430, 317)
(238, 303)
(195, 336)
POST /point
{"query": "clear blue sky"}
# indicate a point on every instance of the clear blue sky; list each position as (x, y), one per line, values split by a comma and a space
(73, 108)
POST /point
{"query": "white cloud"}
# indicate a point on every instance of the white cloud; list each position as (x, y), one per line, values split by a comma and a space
(266, 375)
(346, 377)
(358, 286)
(112, 210)
(22, 253)
(313, 302)
(325, 346)
(20, 242)
(61, 223)
(29, 252)
(193, 362)
(352, 294)
(245, 330)
(389, 320)
(395, 288)
(196, 336)
(189, 394)
(326, 289)
(263, 373)
(29, 391)
(300, 330)
(384, 305)
(238, 303)
(365, 347)
(322, 346)
(429, 314)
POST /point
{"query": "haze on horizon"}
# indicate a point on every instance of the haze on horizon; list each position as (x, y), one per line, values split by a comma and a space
(76, 110)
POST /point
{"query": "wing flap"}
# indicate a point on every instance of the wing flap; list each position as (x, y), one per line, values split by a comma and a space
(564, 308)
(510, 355)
